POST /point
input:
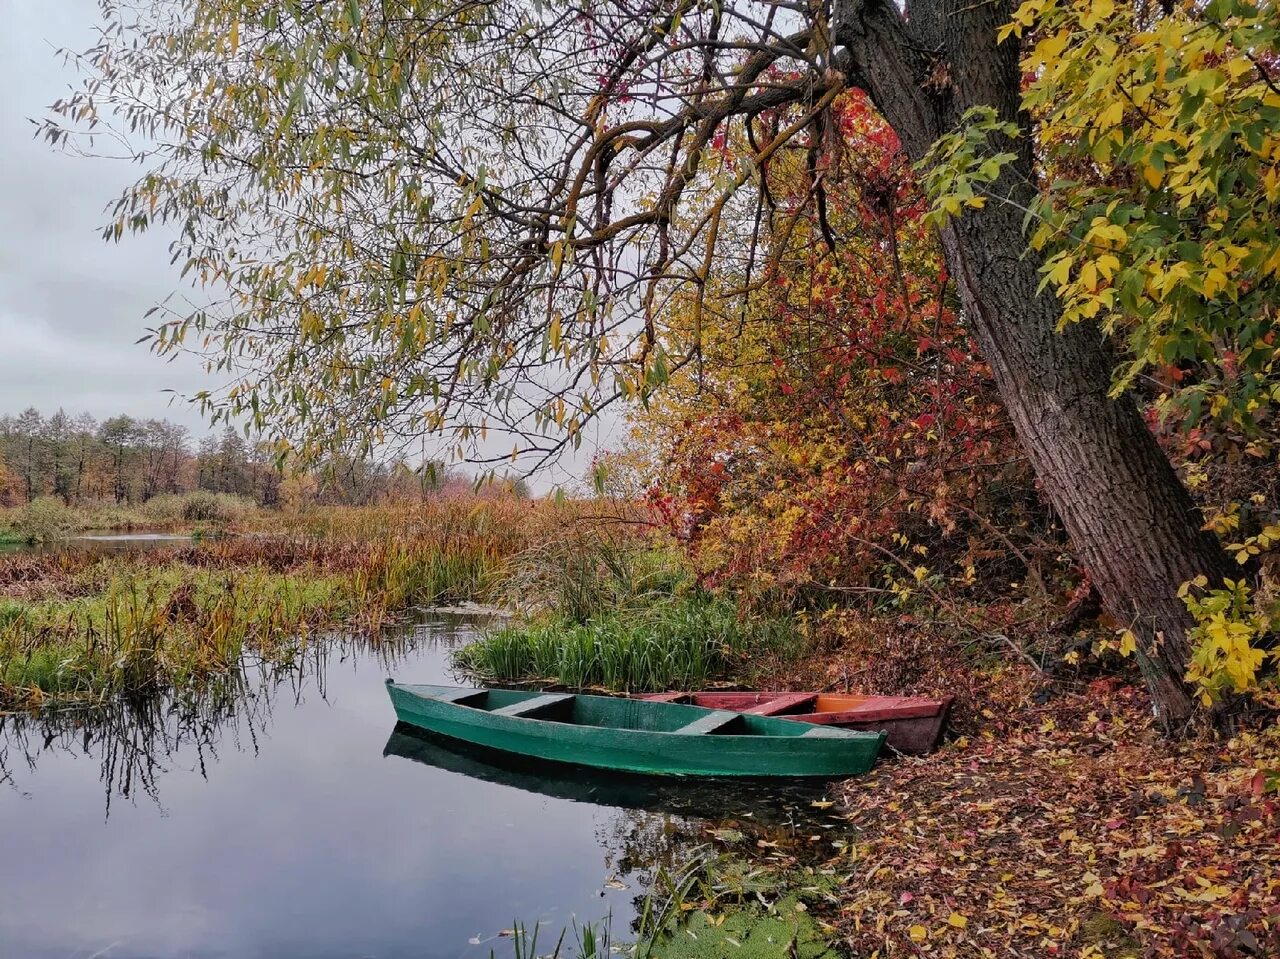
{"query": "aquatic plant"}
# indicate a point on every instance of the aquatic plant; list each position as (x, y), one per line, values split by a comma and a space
(593, 567)
(198, 506)
(674, 643)
(590, 941)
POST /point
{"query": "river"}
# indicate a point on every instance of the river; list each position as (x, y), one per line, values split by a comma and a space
(285, 815)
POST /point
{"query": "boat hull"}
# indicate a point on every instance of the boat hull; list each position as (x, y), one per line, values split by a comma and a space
(635, 736)
(912, 724)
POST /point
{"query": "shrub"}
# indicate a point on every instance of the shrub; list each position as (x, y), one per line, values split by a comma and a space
(167, 509)
(201, 506)
(583, 571)
(44, 520)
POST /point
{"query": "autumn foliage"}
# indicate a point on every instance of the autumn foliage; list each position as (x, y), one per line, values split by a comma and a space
(838, 430)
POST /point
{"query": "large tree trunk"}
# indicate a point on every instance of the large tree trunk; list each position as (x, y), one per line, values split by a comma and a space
(1131, 521)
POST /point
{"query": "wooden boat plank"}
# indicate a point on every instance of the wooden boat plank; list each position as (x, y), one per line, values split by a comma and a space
(782, 704)
(709, 723)
(530, 706)
(737, 701)
(819, 732)
(880, 708)
(914, 724)
(885, 707)
(667, 697)
(461, 694)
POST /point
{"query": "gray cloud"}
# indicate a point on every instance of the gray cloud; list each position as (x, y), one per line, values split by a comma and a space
(71, 305)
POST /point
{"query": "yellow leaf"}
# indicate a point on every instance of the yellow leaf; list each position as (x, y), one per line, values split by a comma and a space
(957, 920)
(1112, 115)
(1128, 643)
(918, 933)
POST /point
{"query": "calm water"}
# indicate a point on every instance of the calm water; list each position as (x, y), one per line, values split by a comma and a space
(291, 818)
(104, 543)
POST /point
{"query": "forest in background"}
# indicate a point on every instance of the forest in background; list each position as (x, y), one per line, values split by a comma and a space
(127, 461)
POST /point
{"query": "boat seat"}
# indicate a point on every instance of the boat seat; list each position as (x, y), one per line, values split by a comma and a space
(459, 695)
(665, 697)
(781, 704)
(708, 723)
(535, 705)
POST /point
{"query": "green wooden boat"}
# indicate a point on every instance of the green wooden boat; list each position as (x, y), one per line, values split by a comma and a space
(633, 734)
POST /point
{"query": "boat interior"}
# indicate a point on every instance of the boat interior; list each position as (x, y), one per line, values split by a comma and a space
(803, 704)
(620, 713)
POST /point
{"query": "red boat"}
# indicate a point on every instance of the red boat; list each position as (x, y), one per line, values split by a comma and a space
(914, 723)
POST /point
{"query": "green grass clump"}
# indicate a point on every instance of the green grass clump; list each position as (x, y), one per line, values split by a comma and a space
(676, 642)
(583, 571)
(44, 520)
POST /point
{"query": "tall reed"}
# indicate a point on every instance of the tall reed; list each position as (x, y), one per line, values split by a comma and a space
(674, 643)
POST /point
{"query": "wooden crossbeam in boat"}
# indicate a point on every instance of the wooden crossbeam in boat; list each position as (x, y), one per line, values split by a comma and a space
(459, 696)
(667, 697)
(781, 704)
(708, 723)
(534, 705)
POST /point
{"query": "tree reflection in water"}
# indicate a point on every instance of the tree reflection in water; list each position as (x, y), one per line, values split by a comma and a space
(138, 739)
(660, 830)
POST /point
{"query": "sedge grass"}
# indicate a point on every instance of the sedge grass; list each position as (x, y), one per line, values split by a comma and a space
(679, 642)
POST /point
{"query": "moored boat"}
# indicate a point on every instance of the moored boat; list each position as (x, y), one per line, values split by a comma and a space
(634, 735)
(913, 724)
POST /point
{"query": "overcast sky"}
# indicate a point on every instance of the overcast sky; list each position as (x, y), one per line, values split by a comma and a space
(71, 305)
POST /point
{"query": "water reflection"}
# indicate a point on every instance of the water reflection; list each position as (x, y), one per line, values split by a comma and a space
(103, 542)
(136, 741)
(767, 803)
(272, 816)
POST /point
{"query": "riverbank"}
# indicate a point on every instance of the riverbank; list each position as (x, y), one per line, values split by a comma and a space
(1055, 821)
(48, 521)
(85, 626)
(1067, 827)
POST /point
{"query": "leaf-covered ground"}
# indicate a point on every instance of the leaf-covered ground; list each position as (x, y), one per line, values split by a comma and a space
(1067, 828)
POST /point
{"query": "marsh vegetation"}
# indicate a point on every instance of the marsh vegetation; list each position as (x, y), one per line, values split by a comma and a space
(83, 625)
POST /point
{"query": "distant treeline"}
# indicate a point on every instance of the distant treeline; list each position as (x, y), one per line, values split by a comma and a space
(125, 460)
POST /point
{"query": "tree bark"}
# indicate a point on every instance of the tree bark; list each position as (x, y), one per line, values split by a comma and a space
(1131, 521)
